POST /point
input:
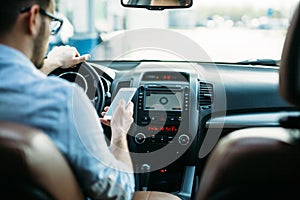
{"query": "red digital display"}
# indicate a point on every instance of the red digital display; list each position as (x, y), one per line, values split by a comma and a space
(171, 129)
(168, 77)
(165, 76)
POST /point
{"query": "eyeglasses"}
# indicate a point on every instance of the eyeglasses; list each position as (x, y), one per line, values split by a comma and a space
(55, 24)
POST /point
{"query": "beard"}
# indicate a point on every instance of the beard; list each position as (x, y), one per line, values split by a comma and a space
(40, 47)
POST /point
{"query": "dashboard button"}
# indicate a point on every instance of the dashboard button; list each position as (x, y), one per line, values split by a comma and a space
(184, 139)
(140, 138)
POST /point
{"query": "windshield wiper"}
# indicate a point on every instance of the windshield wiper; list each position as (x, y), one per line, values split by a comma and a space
(266, 62)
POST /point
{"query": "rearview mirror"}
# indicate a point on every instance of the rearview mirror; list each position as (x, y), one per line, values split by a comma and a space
(157, 4)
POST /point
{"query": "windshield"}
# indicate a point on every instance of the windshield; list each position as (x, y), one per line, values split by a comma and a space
(225, 30)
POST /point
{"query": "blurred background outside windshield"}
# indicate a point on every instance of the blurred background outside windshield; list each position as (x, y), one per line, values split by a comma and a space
(228, 30)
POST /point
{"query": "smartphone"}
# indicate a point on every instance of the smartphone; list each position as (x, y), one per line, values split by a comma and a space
(125, 94)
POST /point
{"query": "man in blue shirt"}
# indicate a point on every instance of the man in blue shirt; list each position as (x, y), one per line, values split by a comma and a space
(59, 108)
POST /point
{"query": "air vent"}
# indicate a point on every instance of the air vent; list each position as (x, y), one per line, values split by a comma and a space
(205, 94)
(123, 84)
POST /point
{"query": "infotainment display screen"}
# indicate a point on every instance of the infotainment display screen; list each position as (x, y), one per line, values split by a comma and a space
(163, 100)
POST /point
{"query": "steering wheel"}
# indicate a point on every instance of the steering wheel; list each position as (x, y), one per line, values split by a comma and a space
(88, 79)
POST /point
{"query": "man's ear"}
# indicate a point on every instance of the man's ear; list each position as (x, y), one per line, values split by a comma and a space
(34, 21)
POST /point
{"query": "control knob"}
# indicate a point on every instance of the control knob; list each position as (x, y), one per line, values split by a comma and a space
(184, 139)
(140, 138)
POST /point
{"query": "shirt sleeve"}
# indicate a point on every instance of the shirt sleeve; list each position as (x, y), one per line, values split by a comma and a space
(98, 171)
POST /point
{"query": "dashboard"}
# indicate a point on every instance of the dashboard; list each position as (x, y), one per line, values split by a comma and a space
(182, 109)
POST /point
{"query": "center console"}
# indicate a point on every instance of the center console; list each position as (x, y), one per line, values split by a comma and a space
(162, 111)
(162, 118)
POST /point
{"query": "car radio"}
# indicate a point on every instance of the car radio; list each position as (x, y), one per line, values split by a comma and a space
(162, 114)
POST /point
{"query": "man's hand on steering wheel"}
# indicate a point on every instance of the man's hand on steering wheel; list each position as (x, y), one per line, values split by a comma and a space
(64, 57)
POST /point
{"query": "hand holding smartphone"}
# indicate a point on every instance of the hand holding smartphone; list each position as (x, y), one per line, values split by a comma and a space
(124, 93)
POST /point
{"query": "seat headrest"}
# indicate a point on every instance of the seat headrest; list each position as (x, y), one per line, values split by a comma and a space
(289, 73)
(29, 158)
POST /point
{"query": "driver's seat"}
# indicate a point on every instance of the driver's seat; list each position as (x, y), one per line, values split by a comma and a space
(31, 167)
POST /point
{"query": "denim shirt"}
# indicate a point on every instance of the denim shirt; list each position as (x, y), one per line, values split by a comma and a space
(63, 111)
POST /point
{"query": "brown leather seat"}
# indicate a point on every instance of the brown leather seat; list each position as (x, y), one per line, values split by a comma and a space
(254, 163)
(31, 167)
(261, 163)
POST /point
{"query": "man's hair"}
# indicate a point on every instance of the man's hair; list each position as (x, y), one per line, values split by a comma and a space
(10, 10)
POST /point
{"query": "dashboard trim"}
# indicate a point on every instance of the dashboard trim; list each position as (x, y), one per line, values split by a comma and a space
(249, 120)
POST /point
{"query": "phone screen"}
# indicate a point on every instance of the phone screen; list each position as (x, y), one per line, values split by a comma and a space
(125, 94)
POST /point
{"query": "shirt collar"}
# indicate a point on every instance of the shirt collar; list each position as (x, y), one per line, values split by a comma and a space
(17, 57)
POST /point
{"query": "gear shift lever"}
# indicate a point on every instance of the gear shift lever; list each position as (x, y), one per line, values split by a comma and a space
(145, 175)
